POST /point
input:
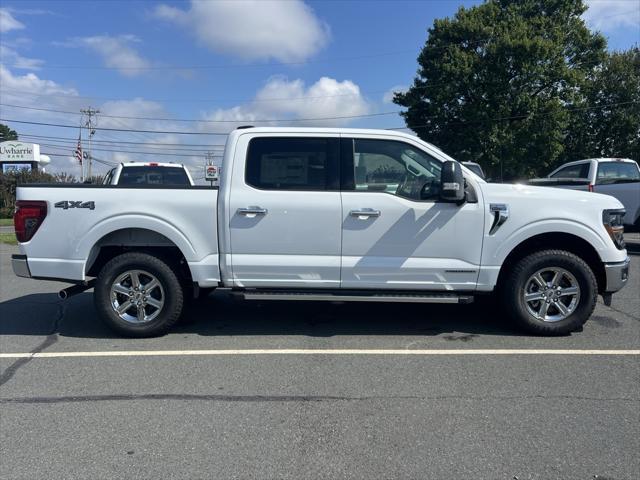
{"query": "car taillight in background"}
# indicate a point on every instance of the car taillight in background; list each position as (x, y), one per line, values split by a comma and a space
(28, 217)
(612, 220)
(591, 187)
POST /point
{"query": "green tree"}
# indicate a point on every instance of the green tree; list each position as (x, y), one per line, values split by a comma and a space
(608, 124)
(496, 82)
(6, 133)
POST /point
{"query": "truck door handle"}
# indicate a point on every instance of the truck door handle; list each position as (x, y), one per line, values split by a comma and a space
(252, 211)
(365, 212)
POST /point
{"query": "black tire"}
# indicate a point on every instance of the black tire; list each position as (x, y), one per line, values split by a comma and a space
(170, 293)
(517, 280)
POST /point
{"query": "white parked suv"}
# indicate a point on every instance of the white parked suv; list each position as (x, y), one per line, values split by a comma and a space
(326, 214)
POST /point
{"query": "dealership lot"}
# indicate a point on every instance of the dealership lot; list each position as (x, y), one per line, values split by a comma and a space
(280, 410)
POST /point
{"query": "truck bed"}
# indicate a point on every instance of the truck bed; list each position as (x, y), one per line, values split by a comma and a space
(79, 217)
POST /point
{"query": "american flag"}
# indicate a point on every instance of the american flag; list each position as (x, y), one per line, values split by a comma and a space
(78, 152)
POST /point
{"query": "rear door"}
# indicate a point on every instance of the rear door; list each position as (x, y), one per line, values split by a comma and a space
(285, 212)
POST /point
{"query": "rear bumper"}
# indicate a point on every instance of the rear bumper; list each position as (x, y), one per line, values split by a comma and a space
(20, 266)
(617, 275)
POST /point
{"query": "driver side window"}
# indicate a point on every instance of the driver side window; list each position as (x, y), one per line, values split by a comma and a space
(396, 168)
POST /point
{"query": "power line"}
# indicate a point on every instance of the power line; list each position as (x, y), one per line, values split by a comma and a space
(198, 154)
(64, 142)
(263, 64)
(9, 91)
(389, 128)
(223, 66)
(512, 117)
(129, 130)
(206, 121)
(194, 100)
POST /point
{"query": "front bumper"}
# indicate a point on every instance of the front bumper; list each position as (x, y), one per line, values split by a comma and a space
(617, 275)
(20, 266)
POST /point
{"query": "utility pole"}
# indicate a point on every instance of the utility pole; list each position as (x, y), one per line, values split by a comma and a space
(91, 124)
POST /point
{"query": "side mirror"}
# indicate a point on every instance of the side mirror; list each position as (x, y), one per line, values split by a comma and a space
(452, 183)
(430, 190)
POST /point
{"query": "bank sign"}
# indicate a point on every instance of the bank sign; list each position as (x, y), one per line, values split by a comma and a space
(19, 152)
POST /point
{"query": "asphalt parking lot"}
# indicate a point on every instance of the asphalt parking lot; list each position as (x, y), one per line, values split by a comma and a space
(269, 407)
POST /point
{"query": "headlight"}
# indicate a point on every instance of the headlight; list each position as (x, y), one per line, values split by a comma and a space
(612, 220)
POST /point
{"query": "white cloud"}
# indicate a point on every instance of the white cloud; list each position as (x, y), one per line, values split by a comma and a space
(8, 21)
(285, 30)
(28, 87)
(116, 52)
(608, 15)
(388, 95)
(280, 99)
(9, 55)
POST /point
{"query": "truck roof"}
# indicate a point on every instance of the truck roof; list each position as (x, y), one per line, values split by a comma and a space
(355, 131)
(599, 160)
(322, 130)
(152, 164)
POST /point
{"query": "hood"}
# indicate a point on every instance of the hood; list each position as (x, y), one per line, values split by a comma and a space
(497, 192)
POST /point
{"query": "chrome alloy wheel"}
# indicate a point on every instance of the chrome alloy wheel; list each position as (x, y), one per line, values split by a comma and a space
(551, 294)
(137, 296)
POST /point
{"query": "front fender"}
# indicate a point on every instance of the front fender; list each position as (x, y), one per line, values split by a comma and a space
(505, 245)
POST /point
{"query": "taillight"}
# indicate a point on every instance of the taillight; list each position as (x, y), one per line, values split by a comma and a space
(591, 187)
(28, 217)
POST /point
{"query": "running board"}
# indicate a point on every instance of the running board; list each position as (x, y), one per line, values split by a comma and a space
(336, 297)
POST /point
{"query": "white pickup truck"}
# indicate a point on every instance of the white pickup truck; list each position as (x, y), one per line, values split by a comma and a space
(618, 177)
(148, 173)
(326, 214)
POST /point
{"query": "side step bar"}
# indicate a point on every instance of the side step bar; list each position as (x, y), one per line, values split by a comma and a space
(365, 297)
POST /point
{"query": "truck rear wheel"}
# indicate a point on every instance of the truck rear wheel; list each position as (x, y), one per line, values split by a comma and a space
(138, 295)
(552, 292)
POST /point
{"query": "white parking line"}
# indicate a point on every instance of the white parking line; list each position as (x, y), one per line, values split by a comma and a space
(311, 351)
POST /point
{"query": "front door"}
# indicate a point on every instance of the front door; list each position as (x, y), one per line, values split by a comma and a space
(394, 236)
(285, 213)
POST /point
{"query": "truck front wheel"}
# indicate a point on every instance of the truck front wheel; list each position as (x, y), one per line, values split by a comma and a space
(552, 292)
(138, 295)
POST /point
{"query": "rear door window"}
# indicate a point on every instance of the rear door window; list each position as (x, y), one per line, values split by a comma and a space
(617, 172)
(275, 163)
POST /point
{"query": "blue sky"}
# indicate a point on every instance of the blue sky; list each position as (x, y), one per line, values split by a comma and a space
(234, 61)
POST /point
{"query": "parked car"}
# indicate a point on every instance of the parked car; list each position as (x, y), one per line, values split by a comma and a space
(326, 214)
(618, 177)
(475, 168)
(140, 173)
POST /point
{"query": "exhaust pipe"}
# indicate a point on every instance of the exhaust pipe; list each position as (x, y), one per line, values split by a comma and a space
(75, 289)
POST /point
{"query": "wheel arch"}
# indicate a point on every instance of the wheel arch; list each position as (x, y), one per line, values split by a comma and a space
(557, 241)
(130, 239)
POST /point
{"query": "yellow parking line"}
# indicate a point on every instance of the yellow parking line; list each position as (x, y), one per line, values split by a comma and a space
(312, 351)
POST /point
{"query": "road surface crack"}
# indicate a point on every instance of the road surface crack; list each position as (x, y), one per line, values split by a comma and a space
(291, 398)
(49, 340)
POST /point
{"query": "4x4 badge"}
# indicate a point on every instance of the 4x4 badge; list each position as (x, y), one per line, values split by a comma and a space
(65, 204)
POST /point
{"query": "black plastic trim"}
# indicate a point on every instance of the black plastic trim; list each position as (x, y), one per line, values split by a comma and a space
(125, 187)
